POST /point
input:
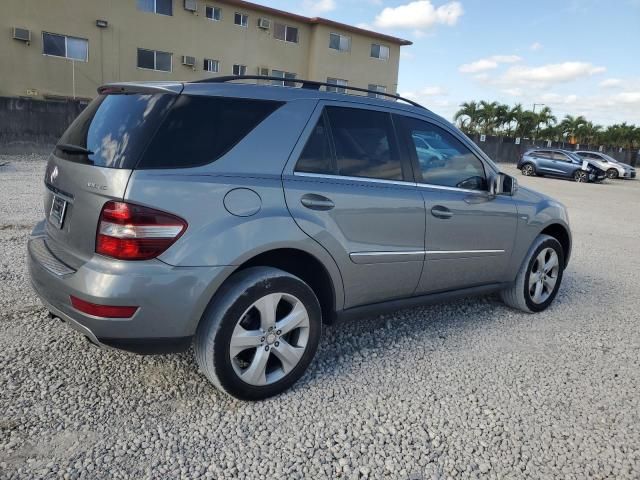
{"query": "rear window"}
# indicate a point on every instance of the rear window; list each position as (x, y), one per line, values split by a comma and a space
(160, 131)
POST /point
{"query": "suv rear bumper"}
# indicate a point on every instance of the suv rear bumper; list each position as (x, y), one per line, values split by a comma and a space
(170, 300)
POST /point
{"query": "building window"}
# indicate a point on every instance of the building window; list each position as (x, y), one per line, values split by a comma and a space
(241, 19)
(239, 69)
(339, 85)
(379, 51)
(214, 13)
(339, 42)
(161, 7)
(287, 76)
(154, 60)
(66, 47)
(285, 33)
(211, 65)
(377, 88)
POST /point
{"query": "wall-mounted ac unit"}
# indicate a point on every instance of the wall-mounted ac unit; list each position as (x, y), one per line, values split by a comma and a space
(191, 5)
(263, 71)
(264, 23)
(188, 61)
(22, 34)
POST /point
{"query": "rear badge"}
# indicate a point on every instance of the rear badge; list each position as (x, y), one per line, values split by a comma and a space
(96, 186)
(58, 210)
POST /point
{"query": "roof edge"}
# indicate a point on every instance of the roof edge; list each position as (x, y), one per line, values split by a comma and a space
(317, 21)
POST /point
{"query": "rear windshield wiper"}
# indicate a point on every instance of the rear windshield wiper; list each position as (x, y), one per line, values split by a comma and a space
(69, 148)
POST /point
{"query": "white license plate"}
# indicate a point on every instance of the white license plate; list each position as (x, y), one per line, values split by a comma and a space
(58, 210)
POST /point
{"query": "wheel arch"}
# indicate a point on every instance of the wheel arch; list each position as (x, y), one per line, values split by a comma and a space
(560, 233)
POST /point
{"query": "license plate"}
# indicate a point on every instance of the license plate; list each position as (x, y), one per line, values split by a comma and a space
(58, 210)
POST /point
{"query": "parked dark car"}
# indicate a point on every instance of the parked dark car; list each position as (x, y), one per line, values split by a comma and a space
(559, 163)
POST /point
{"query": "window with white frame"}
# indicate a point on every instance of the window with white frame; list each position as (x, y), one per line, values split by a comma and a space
(241, 19)
(211, 65)
(64, 46)
(339, 42)
(376, 88)
(154, 60)
(286, 76)
(161, 7)
(339, 85)
(286, 33)
(214, 13)
(239, 69)
(379, 51)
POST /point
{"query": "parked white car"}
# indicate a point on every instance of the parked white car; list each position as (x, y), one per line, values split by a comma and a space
(610, 165)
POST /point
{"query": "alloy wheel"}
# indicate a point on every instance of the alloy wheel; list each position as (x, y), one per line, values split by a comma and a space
(269, 339)
(527, 170)
(611, 174)
(581, 176)
(544, 275)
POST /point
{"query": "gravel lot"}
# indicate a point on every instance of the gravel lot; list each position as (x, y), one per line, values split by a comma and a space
(469, 389)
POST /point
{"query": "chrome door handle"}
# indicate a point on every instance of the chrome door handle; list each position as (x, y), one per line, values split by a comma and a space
(441, 212)
(317, 202)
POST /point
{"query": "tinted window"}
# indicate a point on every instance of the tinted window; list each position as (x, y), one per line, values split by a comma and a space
(164, 7)
(541, 154)
(146, 59)
(443, 159)
(54, 45)
(316, 156)
(561, 157)
(116, 128)
(199, 130)
(364, 143)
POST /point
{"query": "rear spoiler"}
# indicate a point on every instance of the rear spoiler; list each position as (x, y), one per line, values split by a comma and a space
(173, 88)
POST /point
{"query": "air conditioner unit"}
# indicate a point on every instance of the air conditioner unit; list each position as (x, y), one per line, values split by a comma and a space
(264, 23)
(191, 5)
(188, 61)
(22, 34)
(263, 71)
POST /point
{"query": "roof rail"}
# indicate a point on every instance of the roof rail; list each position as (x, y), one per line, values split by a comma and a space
(306, 84)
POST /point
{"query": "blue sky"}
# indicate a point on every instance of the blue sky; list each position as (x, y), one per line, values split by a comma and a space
(579, 57)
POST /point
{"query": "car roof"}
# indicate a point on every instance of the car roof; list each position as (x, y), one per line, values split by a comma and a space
(263, 92)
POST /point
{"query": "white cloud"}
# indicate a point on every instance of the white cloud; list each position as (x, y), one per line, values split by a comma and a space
(428, 91)
(611, 82)
(419, 15)
(535, 46)
(549, 74)
(488, 63)
(316, 7)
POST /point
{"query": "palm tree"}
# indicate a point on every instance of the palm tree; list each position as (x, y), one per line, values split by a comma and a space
(468, 116)
(546, 118)
(589, 133)
(489, 116)
(503, 116)
(570, 127)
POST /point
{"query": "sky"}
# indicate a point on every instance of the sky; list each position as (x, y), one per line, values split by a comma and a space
(579, 57)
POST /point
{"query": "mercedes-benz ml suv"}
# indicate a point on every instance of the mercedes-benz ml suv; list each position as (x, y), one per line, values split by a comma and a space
(240, 218)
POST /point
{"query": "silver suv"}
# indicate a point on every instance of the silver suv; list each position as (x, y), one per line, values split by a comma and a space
(238, 218)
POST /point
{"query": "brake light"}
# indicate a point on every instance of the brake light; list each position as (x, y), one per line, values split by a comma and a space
(104, 311)
(133, 232)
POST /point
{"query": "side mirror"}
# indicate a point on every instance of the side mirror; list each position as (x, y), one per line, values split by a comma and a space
(503, 184)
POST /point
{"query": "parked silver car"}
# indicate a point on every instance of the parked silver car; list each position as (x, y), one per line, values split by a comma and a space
(239, 218)
(610, 165)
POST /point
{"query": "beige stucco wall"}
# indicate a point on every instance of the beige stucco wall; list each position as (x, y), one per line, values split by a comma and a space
(25, 70)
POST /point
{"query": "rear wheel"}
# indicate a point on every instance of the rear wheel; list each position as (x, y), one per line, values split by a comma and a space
(612, 173)
(581, 176)
(528, 170)
(259, 334)
(539, 278)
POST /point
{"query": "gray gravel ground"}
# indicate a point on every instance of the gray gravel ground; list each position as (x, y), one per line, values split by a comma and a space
(468, 390)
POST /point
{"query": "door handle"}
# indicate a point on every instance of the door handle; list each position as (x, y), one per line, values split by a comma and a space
(314, 201)
(441, 212)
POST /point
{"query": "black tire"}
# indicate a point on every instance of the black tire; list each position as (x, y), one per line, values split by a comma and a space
(528, 170)
(228, 307)
(519, 296)
(612, 173)
(581, 176)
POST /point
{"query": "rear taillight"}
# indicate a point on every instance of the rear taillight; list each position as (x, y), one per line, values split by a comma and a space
(133, 232)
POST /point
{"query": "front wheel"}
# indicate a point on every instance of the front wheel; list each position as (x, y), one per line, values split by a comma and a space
(612, 173)
(581, 176)
(528, 170)
(259, 334)
(539, 278)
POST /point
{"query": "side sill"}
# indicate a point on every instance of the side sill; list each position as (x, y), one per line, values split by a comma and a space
(375, 309)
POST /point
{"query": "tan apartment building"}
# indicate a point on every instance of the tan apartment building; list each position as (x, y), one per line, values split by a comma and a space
(67, 48)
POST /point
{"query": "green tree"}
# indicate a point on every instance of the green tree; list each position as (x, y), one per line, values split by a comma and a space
(468, 117)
